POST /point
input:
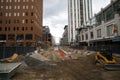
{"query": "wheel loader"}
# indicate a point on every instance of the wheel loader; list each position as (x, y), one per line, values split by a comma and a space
(105, 59)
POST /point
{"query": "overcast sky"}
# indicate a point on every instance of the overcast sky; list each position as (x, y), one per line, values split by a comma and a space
(55, 15)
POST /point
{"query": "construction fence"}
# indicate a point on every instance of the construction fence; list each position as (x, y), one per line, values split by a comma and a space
(113, 49)
(9, 51)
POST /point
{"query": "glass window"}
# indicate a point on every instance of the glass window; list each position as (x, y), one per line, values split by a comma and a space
(23, 7)
(6, 14)
(18, 14)
(2, 0)
(32, 7)
(27, 7)
(6, 0)
(11, 37)
(2, 7)
(18, 0)
(10, 7)
(91, 35)
(15, 7)
(98, 33)
(15, 14)
(9, 14)
(23, 21)
(28, 37)
(10, 0)
(110, 30)
(6, 7)
(23, 14)
(2, 37)
(18, 7)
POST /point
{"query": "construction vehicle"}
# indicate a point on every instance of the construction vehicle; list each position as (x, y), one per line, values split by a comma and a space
(105, 59)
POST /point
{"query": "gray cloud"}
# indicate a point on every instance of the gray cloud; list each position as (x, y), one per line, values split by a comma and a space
(56, 15)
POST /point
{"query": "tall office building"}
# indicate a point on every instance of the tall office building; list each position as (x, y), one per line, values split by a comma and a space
(79, 12)
(20, 22)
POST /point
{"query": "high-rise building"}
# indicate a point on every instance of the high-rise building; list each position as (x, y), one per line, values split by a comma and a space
(79, 12)
(20, 22)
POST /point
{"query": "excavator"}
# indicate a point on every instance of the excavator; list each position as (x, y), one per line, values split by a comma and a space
(105, 59)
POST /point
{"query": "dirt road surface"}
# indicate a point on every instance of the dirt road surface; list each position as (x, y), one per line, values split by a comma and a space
(83, 68)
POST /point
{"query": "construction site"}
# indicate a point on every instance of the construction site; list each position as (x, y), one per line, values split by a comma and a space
(63, 63)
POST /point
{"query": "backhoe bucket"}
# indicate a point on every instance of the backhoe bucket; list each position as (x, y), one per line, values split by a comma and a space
(112, 67)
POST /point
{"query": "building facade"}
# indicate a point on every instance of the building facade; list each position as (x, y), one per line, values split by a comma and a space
(105, 28)
(79, 12)
(65, 36)
(21, 22)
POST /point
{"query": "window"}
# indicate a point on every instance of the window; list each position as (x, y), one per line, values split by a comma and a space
(5, 28)
(31, 13)
(23, 0)
(15, 7)
(91, 35)
(18, 0)
(23, 21)
(2, 0)
(18, 14)
(6, 0)
(32, 0)
(14, 28)
(0, 28)
(32, 7)
(2, 37)
(23, 14)
(10, 0)
(10, 7)
(20, 37)
(82, 37)
(31, 28)
(26, 13)
(22, 28)
(86, 36)
(6, 14)
(11, 37)
(15, 0)
(32, 21)
(110, 30)
(27, 7)
(1, 14)
(15, 14)
(18, 28)
(9, 14)
(98, 33)
(26, 20)
(23, 7)
(18, 7)
(2, 7)
(6, 7)
(0, 21)
(28, 37)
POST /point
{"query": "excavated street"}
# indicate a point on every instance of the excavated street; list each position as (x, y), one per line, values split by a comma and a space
(51, 65)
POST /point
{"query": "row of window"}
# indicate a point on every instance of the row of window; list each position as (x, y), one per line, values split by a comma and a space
(16, 0)
(17, 14)
(110, 32)
(17, 7)
(15, 21)
(16, 28)
(17, 36)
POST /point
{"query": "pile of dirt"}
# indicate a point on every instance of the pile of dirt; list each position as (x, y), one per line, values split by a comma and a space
(83, 68)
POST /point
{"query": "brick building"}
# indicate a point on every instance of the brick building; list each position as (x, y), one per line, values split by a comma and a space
(21, 22)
